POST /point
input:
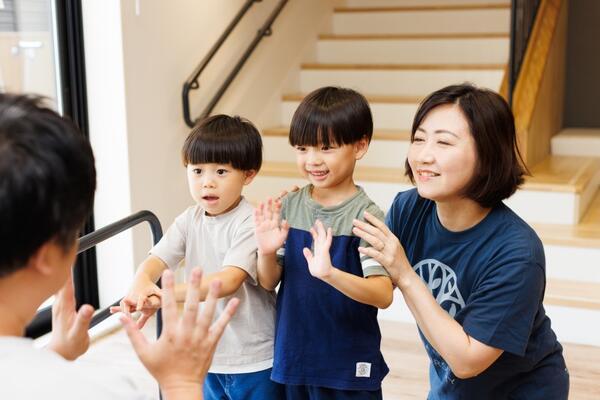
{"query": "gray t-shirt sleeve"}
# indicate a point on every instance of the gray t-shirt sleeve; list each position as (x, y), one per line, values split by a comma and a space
(370, 266)
(171, 248)
(242, 252)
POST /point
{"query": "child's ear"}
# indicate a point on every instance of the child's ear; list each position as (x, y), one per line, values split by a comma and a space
(249, 176)
(361, 147)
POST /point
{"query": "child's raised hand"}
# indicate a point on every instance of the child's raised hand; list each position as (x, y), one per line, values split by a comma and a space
(319, 263)
(270, 233)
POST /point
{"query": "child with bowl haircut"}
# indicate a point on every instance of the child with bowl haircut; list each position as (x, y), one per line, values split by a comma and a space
(222, 154)
(327, 340)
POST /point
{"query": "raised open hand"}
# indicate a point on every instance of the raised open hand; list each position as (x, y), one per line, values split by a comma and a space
(270, 231)
(319, 263)
(180, 358)
(70, 336)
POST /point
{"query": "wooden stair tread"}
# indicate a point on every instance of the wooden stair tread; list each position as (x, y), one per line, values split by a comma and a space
(563, 174)
(378, 134)
(361, 173)
(580, 133)
(402, 67)
(370, 98)
(585, 234)
(412, 36)
(433, 7)
(561, 292)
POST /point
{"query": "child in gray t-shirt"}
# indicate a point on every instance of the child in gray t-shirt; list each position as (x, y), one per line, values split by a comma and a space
(222, 154)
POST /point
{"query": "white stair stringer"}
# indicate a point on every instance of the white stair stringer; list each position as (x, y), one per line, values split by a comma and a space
(575, 325)
(449, 50)
(405, 82)
(415, 3)
(577, 142)
(576, 263)
(443, 21)
(571, 325)
(553, 207)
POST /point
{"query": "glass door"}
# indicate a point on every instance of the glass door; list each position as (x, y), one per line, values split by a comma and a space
(28, 49)
(41, 53)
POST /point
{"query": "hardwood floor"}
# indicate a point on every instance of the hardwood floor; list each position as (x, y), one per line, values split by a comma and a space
(408, 362)
(402, 349)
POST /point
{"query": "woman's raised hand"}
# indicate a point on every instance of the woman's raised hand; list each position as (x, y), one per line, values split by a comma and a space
(386, 247)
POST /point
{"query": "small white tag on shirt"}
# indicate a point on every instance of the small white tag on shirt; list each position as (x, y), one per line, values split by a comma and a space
(363, 370)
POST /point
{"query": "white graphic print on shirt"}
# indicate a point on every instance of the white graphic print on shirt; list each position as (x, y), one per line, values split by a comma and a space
(442, 283)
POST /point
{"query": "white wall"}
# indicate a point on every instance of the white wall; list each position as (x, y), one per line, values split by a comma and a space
(138, 54)
(108, 135)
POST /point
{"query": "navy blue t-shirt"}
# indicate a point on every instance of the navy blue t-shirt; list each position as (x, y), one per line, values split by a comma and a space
(491, 280)
(323, 337)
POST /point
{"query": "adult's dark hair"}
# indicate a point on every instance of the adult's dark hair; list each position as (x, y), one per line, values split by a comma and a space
(331, 115)
(47, 180)
(222, 139)
(500, 168)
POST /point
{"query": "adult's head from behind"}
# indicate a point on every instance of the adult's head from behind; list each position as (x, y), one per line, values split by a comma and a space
(463, 145)
(47, 181)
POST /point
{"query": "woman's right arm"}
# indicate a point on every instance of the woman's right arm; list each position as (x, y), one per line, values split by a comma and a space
(466, 356)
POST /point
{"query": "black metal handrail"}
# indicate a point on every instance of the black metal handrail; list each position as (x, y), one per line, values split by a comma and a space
(42, 323)
(192, 82)
(522, 18)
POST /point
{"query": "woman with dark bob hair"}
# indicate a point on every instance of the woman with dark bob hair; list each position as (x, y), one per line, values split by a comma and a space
(471, 271)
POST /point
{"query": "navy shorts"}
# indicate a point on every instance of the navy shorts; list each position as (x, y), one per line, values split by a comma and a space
(252, 385)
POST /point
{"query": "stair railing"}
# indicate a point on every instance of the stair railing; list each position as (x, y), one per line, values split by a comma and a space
(192, 82)
(522, 17)
(42, 323)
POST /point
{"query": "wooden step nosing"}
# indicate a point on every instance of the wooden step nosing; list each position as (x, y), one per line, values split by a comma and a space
(423, 8)
(569, 293)
(570, 242)
(413, 36)
(572, 302)
(550, 187)
(402, 67)
(582, 180)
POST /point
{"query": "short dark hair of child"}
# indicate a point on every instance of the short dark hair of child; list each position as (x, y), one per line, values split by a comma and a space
(47, 180)
(222, 139)
(331, 115)
(500, 167)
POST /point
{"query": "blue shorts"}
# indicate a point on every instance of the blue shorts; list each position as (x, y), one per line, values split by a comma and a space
(308, 392)
(252, 385)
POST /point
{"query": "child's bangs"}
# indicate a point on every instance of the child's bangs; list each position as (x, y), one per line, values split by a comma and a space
(313, 131)
(202, 150)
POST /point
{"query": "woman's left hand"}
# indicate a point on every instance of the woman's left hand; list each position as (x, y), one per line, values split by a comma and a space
(386, 247)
